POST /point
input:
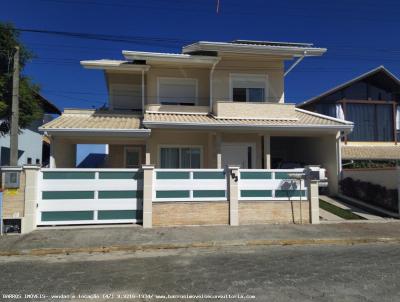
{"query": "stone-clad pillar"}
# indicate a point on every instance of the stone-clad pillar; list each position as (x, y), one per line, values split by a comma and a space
(148, 171)
(313, 198)
(233, 195)
(31, 198)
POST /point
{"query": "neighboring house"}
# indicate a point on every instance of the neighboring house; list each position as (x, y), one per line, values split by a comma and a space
(215, 104)
(33, 147)
(371, 101)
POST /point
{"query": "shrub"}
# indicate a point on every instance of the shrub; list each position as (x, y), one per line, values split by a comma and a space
(370, 193)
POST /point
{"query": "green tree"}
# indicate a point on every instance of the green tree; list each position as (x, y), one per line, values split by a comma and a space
(29, 105)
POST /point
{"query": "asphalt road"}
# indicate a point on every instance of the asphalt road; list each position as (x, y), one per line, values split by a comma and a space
(287, 273)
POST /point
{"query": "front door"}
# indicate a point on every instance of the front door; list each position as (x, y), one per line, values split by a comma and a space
(238, 154)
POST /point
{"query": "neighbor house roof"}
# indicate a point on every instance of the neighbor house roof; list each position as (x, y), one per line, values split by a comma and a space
(379, 69)
(73, 120)
(371, 152)
(299, 120)
(47, 106)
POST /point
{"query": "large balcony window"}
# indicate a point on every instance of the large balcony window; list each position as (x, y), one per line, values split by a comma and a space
(248, 87)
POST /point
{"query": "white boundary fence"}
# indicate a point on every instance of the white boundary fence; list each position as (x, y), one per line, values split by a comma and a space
(88, 196)
(189, 185)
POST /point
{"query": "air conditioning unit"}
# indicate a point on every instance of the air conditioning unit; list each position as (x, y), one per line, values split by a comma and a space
(11, 179)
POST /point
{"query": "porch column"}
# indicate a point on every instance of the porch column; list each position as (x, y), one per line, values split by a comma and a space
(267, 151)
(233, 195)
(62, 153)
(52, 162)
(218, 141)
(148, 171)
(31, 198)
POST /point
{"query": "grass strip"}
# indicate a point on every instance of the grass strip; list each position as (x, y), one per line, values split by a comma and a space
(345, 214)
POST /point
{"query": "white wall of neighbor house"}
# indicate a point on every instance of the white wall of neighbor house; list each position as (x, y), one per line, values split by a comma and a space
(30, 144)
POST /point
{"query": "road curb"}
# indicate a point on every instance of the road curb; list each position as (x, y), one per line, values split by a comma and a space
(207, 244)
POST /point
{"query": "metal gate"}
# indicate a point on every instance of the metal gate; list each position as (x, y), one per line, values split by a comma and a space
(89, 196)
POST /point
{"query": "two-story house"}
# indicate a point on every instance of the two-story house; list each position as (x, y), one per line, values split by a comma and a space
(371, 102)
(214, 104)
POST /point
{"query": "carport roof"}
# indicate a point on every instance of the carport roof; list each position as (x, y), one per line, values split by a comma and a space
(300, 119)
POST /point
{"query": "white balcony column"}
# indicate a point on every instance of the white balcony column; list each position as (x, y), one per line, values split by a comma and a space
(267, 151)
(218, 142)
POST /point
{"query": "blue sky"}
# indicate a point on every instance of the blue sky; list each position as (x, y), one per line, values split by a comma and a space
(359, 34)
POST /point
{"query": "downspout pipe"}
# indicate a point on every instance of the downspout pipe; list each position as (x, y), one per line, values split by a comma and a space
(295, 63)
(211, 83)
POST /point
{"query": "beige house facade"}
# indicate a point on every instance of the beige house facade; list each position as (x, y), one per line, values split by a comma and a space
(213, 105)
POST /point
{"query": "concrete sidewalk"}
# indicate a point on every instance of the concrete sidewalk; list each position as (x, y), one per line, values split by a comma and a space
(133, 238)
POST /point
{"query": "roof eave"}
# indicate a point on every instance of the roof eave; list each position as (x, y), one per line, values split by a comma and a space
(96, 132)
(152, 124)
(256, 49)
(166, 57)
(122, 66)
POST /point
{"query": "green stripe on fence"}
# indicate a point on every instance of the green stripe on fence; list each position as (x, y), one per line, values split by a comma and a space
(68, 175)
(285, 175)
(255, 193)
(67, 195)
(67, 215)
(172, 194)
(120, 194)
(255, 175)
(121, 175)
(209, 193)
(208, 175)
(120, 214)
(173, 175)
(290, 193)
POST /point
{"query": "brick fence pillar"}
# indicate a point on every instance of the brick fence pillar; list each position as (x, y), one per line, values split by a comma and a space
(148, 171)
(233, 181)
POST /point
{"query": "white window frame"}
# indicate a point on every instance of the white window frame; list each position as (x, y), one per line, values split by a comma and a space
(180, 147)
(114, 86)
(126, 148)
(245, 76)
(196, 82)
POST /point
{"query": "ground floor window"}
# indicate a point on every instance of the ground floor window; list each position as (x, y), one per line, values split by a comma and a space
(180, 157)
